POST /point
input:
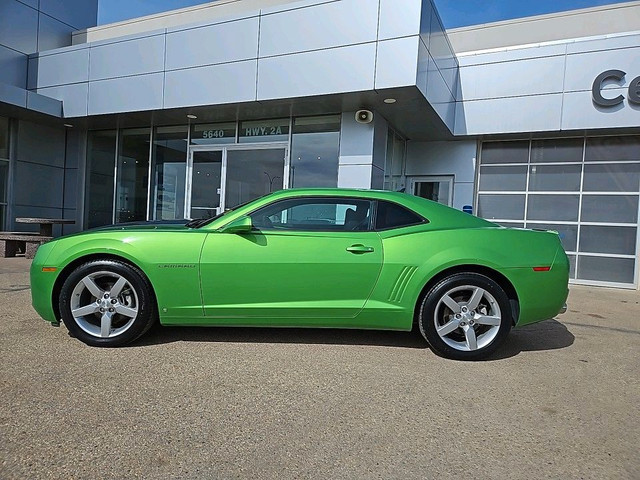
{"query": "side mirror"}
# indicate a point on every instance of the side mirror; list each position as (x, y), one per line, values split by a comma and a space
(238, 226)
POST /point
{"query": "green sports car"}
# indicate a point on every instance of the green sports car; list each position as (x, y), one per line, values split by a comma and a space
(330, 258)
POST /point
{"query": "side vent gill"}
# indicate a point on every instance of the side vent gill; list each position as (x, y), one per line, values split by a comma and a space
(401, 284)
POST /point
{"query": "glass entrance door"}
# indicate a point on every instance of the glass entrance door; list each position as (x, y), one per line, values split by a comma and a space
(224, 177)
(204, 193)
(252, 173)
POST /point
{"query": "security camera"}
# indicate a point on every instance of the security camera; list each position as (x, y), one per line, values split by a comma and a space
(364, 116)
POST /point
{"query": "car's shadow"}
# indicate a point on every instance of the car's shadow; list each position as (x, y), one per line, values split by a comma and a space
(547, 335)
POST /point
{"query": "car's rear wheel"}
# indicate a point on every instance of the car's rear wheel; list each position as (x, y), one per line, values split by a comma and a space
(106, 303)
(465, 316)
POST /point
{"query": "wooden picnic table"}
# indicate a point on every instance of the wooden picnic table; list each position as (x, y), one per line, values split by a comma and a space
(46, 224)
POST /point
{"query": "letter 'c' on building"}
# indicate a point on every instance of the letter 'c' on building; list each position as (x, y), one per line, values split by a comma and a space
(634, 91)
(596, 90)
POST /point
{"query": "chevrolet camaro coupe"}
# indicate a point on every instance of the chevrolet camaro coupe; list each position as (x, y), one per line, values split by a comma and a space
(330, 258)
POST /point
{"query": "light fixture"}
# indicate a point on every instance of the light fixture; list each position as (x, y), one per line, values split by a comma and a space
(191, 116)
(390, 100)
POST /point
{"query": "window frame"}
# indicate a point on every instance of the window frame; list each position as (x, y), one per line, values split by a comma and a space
(325, 199)
(373, 217)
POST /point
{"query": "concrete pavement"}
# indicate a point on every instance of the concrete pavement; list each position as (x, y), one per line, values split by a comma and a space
(559, 400)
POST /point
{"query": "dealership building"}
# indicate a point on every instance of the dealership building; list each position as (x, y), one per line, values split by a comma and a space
(533, 122)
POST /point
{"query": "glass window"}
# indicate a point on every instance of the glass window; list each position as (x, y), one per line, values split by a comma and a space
(511, 224)
(505, 152)
(4, 176)
(572, 266)
(612, 149)
(133, 175)
(169, 161)
(315, 149)
(606, 269)
(502, 207)
(391, 215)
(264, 131)
(505, 179)
(394, 172)
(603, 239)
(101, 158)
(557, 150)
(4, 137)
(252, 174)
(558, 208)
(568, 233)
(612, 177)
(315, 214)
(555, 178)
(610, 208)
(213, 133)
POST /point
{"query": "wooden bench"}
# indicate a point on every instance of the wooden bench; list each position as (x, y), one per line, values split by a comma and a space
(14, 242)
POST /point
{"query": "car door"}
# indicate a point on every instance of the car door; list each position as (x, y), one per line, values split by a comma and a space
(307, 258)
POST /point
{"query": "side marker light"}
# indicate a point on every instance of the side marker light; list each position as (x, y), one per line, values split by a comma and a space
(49, 269)
(541, 269)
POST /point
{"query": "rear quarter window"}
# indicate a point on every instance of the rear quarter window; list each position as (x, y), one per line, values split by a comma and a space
(391, 215)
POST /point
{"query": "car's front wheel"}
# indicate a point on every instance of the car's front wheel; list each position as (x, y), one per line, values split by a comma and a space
(106, 303)
(465, 316)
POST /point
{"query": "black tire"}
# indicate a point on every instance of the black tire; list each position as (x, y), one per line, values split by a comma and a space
(135, 296)
(490, 319)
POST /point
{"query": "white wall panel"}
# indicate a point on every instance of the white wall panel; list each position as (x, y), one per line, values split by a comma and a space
(535, 113)
(355, 176)
(217, 84)
(512, 55)
(583, 68)
(320, 26)
(578, 111)
(220, 43)
(127, 94)
(63, 68)
(397, 62)
(74, 98)
(399, 18)
(346, 69)
(52, 33)
(133, 57)
(511, 79)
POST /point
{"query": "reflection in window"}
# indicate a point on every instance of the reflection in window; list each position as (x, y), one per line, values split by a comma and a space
(101, 157)
(169, 160)
(612, 149)
(133, 175)
(315, 214)
(314, 151)
(505, 152)
(4, 137)
(4, 167)
(394, 168)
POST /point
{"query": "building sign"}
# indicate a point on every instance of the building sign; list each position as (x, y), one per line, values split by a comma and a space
(616, 76)
(265, 128)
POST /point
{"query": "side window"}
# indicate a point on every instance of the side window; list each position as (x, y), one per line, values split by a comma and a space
(391, 215)
(315, 214)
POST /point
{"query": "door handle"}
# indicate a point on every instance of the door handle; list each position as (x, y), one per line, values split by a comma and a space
(359, 248)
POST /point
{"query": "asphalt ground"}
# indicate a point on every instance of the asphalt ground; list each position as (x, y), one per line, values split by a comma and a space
(559, 400)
